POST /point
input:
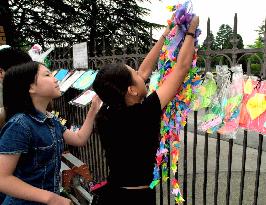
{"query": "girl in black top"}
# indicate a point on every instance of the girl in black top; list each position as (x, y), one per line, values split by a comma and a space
(129, 123)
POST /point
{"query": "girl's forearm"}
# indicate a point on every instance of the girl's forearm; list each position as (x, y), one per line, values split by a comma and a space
(15, 187)
(87, 127)
(150, 60)
(80, 138)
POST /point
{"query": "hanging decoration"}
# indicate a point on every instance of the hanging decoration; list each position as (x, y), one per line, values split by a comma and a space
(60, 75)
(37, 55)
(64, 86)
(204, 93)
(253, 110)
(232, 104)
(86, 80)
(175, 114)
(212, 121)
(84, 99)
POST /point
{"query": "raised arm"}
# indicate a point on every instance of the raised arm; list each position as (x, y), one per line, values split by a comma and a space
(81, 137)
(17, 188)
(150, 60)
(168, 89)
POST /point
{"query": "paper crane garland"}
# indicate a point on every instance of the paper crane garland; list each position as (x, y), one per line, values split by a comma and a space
(175, 114)
(37, 55)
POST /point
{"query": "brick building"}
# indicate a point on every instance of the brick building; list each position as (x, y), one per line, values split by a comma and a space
(2, 36)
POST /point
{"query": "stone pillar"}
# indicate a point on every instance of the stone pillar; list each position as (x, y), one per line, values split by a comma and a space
(2, 36)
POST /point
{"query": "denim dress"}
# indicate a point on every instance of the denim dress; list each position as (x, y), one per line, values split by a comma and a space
(39, 141)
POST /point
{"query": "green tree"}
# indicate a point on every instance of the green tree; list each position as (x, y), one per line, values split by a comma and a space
(118, 19)
(222, 40)
(240, 43)
(261, 31)
(203, 48)
(70, 21)
(259, 43)
(43, 22)
(212, 42)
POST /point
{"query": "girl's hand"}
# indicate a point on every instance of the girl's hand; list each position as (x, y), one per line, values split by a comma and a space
(194, 24)
(95, 104)
(58, 200)
(167, 29)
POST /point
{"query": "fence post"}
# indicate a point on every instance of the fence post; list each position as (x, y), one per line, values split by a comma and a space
(234, 41)
(124, 48)
(208, 61)
(113, 48)
(104, 51)
(136, 47)
(94, 49)
(264, 53)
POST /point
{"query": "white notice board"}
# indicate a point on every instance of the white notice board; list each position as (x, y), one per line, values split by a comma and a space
(80, 55)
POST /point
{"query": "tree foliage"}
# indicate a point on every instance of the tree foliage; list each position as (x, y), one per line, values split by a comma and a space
(224, 38)
(211, 41)
(118, 21)
(261, 31)
(71, 21)
(259, 43)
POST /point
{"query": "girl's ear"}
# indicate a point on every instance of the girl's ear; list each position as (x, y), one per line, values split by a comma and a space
(32, 88)
(131, 90)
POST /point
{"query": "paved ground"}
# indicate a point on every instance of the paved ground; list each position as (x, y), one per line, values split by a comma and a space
(251, 166)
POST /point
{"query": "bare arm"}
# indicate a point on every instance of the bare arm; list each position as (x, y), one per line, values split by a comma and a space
(81, 137)
(15, 187)
(168, 89)
(147, 65)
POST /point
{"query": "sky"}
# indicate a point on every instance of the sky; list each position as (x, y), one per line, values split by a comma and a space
(250, 14)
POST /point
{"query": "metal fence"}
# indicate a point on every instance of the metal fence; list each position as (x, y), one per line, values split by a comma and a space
(201, 184)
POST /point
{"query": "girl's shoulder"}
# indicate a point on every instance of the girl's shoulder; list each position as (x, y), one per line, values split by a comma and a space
(21, 119)
(18, 117)
(18, 123)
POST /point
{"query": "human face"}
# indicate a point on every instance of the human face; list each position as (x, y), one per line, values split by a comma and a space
(139, 86)
(2, 74)
(45, 85)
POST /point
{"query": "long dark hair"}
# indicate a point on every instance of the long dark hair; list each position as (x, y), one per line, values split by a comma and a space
(111, 85)
(16, 86)
(11, 56)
